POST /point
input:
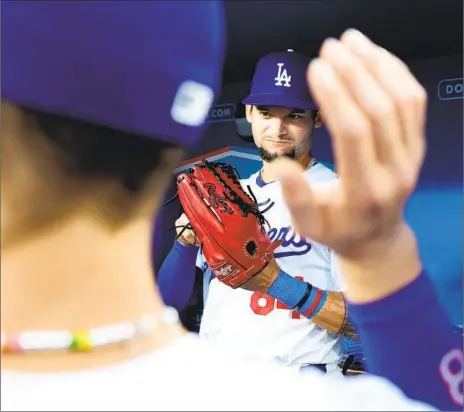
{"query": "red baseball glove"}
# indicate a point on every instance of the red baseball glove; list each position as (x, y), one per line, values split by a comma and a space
(227, 222)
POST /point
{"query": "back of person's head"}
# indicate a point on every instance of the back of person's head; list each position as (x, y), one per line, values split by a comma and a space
(98, 100)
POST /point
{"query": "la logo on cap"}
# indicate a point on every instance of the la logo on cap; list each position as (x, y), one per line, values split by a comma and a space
(282, 76)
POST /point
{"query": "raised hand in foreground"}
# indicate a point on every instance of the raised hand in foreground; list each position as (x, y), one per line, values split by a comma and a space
(375, 111)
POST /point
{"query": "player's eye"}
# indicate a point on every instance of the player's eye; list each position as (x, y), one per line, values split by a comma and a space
(265, 115)
(295, 116)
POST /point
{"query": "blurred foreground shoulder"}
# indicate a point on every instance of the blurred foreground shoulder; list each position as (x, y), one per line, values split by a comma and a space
(191, 374)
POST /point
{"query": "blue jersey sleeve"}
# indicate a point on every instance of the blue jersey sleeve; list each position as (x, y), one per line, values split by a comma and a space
(176, 276)
(408, 339)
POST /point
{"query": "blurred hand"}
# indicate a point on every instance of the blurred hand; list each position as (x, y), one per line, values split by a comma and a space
(375, 111)
(188, 236)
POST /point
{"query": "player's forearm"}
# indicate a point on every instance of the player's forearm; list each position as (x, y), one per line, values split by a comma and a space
(176, 276)
(333, 316)
(326, 309)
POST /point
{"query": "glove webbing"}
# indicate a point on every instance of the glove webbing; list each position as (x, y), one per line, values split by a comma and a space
(232, 173)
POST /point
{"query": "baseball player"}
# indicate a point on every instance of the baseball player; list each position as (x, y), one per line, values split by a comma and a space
(361, 219)
(95, 107)
(259, 321)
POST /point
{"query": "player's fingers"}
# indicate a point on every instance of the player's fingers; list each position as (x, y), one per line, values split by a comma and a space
(376, 104)
(188, 236)
(184, 230)
(184, 218)
(350, 129)
(408, 94)
(297, 194)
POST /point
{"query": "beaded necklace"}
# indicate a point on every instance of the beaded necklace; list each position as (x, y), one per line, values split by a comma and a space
(85, 340)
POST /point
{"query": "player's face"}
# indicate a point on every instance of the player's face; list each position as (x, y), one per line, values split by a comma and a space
(279, 131)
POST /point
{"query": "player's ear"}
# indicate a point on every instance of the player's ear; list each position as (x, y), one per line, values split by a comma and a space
(248, 110)
(318, 120)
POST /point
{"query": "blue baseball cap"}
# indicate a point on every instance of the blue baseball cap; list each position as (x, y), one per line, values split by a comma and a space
(152, 68)
(280, 80)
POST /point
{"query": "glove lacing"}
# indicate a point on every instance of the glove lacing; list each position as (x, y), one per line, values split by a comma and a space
(231, 195)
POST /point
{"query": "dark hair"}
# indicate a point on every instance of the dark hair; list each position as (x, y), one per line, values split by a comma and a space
(92, 151)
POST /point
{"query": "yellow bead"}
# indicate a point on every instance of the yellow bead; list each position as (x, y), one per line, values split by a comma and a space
(82, 341)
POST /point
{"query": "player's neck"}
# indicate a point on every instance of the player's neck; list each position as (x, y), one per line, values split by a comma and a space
(268, 170)
(80, 277)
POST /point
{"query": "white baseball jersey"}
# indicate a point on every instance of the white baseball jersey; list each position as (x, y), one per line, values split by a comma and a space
(194, 375)
(256, 324)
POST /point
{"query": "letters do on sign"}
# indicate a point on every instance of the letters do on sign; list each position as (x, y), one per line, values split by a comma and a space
(450, 89)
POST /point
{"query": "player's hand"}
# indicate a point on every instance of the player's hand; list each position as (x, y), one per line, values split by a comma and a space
(187, 236)
(375, 111)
